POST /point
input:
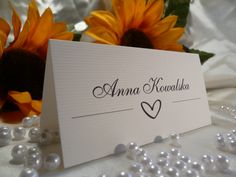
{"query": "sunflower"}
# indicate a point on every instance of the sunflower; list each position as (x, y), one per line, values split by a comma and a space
(137, 23)
(22, 62)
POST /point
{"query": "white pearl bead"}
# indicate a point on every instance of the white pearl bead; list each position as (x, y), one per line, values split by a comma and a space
(208, 163)
(29, 172)
(154, 170)
(191, 173)
(124, 174)
(33, 158)
(230, 138)
(18, 153)
(141, 152)
(186, 159)
(56, 139)
(174, 140)
(132, 154)
(172, 172)
(142, 175)
(19, 133)
(233, 132)
(132, 146)
(27, 122)
(34, 150)
(175, 153)
(132, 150)
(52, 161)
(36, 120)
(34, 134)
(158, 139)
(165, 155)
(232, 146)
(145, 161)
(33, 161)
(103, 175)
(163, 175)
(5, 129)
(46, 138)
(222, 163)
(198, 167)
(5, 136)
(221, 143)
(136, 168)
(180, 165)
(163, 162)
(219, 135)
(174, 136)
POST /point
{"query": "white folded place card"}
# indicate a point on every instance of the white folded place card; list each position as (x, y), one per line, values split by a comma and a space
(100, 96)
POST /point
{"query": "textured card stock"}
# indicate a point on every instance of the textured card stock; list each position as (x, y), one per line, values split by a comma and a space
(99, 96)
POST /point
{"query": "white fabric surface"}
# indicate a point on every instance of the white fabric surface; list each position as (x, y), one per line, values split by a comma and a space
(194, 144)
(211, 27)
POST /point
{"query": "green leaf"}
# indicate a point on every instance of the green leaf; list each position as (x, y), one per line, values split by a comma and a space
(204, 56)
(179, 8)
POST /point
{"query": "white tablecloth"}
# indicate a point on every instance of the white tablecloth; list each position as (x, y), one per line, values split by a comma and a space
(195, 144)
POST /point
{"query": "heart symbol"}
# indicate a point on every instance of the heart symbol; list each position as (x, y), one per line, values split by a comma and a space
(150, 110)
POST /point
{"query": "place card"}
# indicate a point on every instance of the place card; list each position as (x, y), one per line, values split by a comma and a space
(99, 96)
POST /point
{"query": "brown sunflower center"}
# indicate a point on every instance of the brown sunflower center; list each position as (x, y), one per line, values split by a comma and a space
(21, 70)
(136, 38)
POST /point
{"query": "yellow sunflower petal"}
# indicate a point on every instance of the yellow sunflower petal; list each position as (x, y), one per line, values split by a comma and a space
(154, 12)
(63, 36)
(123, 9)
(25, 108)
(58, 28)
(162, 26)
(172, 35)
(102, 35)
(4, 26)
(105, 19)
(169, 40)
(42, 31)
(138, 13)
(37, 105)
(99, 39)
(3, 39)
(32, 17)
(16, 22)
(32, 112)
(175, 47)
(22, 36)
(171, 46)
(20, 97)
(33, 10)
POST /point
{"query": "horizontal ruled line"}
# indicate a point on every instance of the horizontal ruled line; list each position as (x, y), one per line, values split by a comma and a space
(100, 113)
(191, 99)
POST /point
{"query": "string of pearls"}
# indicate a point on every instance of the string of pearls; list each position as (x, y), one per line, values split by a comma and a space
(32, 157)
